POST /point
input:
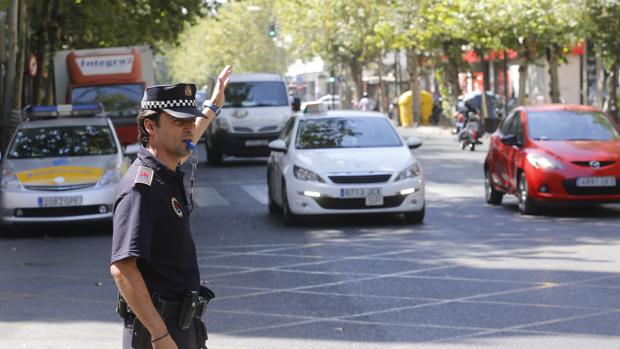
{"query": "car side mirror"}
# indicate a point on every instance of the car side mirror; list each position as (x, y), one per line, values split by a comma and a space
(510, 140)
(278, 145)
(413, 142)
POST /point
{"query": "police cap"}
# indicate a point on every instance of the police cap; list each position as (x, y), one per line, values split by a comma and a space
(178, 100)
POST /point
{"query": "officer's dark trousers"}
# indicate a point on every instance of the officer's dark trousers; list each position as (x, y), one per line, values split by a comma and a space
(185, 339)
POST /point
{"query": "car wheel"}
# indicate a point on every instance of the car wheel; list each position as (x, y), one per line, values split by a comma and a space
(214, 157)
(273, 207)
(289, 217)
(491, 195)
(415, 217)
(527, 205)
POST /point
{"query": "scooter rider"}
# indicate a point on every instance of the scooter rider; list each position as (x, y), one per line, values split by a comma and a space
(466, 111)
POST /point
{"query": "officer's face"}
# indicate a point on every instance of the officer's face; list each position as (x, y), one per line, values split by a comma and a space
(171, 134)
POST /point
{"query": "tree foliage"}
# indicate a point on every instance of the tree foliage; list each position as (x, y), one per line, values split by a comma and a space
(602, 25)
(239, 37)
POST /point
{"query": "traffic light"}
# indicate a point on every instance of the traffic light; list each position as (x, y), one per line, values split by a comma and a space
(272, 30)
(332, 79)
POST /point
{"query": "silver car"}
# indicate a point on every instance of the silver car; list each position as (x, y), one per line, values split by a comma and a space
(61, 170)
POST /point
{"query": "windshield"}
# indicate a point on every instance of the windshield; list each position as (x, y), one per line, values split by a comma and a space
(346, 133)
(256, 94)
(62, 141)
(570, 126)
(117, 100)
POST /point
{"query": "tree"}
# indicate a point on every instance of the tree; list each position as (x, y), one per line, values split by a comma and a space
(401, 27)
(77, 24)
(541, 29)
(48, 25)
(603, 28)
(445, 25)
(212, 43)
(335, 30)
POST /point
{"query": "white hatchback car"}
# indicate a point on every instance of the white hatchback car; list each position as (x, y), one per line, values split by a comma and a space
(338, 162)
(62, 167)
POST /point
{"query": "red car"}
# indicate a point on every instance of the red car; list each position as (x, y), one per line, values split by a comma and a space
(554, 154)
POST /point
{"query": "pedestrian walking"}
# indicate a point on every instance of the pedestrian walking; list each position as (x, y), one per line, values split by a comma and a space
(365, 103)
(153, 259)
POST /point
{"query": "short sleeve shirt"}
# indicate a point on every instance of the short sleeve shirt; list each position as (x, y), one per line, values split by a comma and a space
(151, 222)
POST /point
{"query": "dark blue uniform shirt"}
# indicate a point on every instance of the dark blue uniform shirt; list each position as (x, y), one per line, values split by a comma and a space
(151, 222)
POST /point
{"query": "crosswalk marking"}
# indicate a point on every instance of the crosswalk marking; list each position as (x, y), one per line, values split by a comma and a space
(208, 196)
(257, 191)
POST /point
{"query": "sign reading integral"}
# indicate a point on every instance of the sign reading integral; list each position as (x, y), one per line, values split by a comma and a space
(105, 65)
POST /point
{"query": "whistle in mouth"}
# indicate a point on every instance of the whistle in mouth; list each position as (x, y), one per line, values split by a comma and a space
(190, 145)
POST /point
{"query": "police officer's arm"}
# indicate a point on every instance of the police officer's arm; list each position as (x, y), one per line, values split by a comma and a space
(133, 288)
(217, 98)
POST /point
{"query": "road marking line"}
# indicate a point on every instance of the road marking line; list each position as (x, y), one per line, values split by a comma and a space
(258, 192)
(208, 197)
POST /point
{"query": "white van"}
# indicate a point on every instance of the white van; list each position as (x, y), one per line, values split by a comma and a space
(256, 108)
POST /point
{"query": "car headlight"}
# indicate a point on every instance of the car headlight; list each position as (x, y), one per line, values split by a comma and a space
(306, 175)
(222, 124)
(112, 175)
(410, 172)
(9, 179)
(543, 161)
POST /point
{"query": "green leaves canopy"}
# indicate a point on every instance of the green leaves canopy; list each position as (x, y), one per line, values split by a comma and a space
(239, 37)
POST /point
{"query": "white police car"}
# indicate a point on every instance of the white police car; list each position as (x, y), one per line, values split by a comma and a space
(62, 165)
(338, 162)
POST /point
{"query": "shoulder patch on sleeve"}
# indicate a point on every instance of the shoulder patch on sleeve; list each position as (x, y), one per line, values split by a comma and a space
(144, 175)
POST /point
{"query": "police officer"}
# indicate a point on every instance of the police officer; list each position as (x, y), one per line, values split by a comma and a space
(153, 258)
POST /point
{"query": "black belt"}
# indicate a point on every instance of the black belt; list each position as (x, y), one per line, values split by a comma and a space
(172, 309)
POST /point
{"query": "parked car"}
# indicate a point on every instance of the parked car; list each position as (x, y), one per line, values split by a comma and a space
(62, 165)
(554, 154)
(335, 162)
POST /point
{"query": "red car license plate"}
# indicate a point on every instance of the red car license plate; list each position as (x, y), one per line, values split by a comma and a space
(596, 181)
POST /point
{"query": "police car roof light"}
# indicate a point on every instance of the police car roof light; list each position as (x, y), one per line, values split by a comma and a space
(39, 112)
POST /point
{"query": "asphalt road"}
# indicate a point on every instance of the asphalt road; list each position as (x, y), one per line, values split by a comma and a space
(471, 276)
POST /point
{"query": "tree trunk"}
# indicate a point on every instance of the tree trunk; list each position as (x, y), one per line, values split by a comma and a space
(413, 65)
(452, 70)
(382, 96)
(554, 84)
(11, 54)
(21, 56)
(356, 72)
(523, 67)
(600, 78)
(43, 52)
(484, 106)
(613, 90)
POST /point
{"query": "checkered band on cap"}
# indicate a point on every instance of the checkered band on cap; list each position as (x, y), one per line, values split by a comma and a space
(168, 104)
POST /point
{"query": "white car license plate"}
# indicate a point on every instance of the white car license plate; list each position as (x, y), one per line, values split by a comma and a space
(60, 201)
(609, 181)
(373, 196)
(256, 142)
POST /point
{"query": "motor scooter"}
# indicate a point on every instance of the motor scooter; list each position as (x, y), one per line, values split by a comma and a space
(470, 135)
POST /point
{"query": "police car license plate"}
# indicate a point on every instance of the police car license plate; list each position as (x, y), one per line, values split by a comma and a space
(608, 181)
(60, 201)
(256, 142)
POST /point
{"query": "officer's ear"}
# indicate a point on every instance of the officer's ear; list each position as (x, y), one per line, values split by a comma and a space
(151, 122)
(149, 125)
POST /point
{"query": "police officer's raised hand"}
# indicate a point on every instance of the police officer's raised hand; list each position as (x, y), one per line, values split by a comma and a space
(222, 81)
(165, 343)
